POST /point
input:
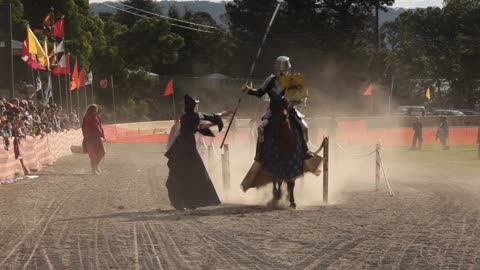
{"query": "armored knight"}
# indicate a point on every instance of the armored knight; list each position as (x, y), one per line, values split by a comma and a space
(273, 86)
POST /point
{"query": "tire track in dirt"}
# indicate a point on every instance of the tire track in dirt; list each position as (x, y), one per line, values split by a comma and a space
(47, 259)
(39, 237)
(416, 246)
(336, 252)
(170, 257)
(232, 248)
(26, 235)
(152, 247)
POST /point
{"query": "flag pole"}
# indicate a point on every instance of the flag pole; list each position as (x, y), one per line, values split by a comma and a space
(60, 90)
(373, 104)
(70, 94)
(41, 90)
(91, 86)
(390, 96)
(113, 97)
(67, 105)
(78, 100)
(51, 84)
(174, 109)
(86, 101)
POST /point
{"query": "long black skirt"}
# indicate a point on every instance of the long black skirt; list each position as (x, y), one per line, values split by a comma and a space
(188, 183)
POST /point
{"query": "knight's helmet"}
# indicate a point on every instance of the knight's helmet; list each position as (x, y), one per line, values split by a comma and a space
(282, 64)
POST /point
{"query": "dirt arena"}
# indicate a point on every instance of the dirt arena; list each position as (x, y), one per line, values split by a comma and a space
(68, 219)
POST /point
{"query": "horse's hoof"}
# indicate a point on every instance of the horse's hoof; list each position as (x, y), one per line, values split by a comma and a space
(293, 205)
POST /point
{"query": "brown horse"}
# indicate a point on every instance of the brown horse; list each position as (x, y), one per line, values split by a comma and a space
(281, 152)
(284, 138)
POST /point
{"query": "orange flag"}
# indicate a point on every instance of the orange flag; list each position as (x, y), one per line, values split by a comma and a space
(75, 83)
(368, 91)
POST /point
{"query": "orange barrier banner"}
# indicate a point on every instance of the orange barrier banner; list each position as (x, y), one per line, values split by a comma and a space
(354, 132)
(124, 135)
(36, 152)
(403, 136)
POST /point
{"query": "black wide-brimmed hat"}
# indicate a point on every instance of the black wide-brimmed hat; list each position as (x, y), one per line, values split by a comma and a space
(189, 101)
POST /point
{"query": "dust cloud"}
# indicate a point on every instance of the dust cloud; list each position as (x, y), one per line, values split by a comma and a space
(347, 174)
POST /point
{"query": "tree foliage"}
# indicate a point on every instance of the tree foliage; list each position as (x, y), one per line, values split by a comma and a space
(333, 42)
(438, 47)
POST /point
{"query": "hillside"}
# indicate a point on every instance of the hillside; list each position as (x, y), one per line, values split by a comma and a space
(217, 9)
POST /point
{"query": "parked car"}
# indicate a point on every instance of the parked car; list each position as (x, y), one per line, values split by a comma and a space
(448, 113)
(411, 111)
(468, 112)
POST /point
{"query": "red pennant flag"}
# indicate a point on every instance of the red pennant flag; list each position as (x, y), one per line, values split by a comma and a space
(58, 28)
(103, 83)
(63, 66)
(30, 58)
(368, 91)
(168, 89)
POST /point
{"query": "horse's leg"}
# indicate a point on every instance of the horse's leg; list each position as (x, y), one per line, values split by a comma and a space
(290, 188)
(276, 192)
(278, 195)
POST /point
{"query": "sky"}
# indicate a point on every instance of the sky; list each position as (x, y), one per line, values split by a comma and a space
(398, 3)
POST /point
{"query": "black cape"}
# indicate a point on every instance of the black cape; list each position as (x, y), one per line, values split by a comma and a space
(188, 183)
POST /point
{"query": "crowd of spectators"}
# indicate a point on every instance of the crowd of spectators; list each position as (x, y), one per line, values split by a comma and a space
(20, 118)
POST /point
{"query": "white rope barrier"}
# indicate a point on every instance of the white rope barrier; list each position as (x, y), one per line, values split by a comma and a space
(354, 155)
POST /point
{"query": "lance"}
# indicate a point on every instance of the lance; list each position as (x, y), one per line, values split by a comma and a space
(251, 72)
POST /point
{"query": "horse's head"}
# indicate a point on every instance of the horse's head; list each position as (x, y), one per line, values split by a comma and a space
(279, 107)
(282, 130)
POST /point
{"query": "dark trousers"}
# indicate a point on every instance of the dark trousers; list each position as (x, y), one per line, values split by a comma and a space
(443, 141)
(417, 137)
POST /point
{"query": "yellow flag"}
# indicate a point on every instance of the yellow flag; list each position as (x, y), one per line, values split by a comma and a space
(34, 47)
(427, 94)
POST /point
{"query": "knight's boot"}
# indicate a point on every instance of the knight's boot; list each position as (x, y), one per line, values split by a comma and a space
(308, 154)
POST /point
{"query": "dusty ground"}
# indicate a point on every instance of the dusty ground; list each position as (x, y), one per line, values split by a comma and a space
(67, 219)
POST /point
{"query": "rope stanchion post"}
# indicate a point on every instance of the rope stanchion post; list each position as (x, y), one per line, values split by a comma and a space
(325, 170)
(390, 190)
(226, 167)
(377, 166)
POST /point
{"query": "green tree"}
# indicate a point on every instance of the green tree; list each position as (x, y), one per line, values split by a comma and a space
(204, 53)
(432, 46)
(333, 42)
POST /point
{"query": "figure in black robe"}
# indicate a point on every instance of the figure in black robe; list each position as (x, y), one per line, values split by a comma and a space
(189, 185)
